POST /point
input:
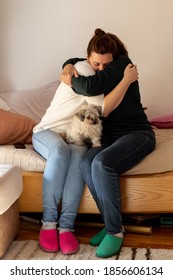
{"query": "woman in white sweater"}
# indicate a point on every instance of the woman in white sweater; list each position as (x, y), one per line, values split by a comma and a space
(62, 180)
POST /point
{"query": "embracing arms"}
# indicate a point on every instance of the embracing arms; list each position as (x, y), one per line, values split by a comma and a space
(115, 79)
(114, 98)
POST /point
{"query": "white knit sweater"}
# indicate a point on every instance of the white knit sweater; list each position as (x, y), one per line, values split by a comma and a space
(66, 103)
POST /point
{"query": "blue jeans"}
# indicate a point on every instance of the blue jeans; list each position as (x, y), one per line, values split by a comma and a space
(62, 177)
(102, 167)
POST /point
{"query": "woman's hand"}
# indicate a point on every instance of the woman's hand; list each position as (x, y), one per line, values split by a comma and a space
(131, 73)
(67, 73)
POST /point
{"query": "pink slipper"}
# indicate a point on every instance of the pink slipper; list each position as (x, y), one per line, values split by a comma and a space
(48, 239)
(68, 243)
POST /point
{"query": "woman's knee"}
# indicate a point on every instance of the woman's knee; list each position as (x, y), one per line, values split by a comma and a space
(88, 159)
(48, 143)
(60, 151)
(99, 163)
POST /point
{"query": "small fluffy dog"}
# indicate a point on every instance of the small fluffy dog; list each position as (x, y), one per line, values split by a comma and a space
(86, 127)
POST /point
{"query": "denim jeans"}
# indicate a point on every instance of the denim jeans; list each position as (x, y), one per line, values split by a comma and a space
(102, 167)
(62, 177)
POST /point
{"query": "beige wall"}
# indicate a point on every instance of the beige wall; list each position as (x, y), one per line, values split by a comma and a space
(37, 36)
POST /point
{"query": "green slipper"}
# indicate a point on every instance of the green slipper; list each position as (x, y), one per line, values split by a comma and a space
(97, 239)
(110, 246)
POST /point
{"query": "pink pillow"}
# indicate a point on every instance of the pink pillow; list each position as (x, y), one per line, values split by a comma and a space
(165, 121)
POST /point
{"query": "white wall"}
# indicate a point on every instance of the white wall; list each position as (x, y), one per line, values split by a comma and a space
(37, 36)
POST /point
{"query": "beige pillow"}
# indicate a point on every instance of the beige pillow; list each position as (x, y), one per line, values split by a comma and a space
(15, 128)
(32, 102)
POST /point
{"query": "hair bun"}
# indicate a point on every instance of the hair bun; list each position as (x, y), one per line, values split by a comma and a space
(99, 31)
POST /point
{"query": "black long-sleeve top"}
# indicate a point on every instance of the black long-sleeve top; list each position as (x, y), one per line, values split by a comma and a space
(129, 115)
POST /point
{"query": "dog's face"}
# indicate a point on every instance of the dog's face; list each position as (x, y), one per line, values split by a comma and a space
(90, 114)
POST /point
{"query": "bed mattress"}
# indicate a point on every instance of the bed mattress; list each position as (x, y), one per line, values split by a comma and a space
(160, 160)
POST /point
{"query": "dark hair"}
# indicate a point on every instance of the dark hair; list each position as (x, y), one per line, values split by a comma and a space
(103, 43)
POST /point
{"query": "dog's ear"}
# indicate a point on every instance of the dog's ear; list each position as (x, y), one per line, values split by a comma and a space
(81, 115)
(99, 110)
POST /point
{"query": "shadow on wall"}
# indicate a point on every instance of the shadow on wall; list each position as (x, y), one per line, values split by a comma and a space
(4, 55)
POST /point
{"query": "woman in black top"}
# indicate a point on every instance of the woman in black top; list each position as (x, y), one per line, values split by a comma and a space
(127, 135)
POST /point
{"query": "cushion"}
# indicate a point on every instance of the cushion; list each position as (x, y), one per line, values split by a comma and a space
(32, 102)
(165, 121)
(27, 159)
(4, 105)
(15, 128)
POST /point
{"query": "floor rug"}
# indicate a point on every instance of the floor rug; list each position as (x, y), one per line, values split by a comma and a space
(30, 250)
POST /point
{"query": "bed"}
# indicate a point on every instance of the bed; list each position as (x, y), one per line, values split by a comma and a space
(146, 188)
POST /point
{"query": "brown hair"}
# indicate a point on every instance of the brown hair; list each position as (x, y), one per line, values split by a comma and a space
(103, 43)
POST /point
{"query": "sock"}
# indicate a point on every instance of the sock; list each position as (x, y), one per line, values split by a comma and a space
(119, 234)
(61, 230)
(48, 225)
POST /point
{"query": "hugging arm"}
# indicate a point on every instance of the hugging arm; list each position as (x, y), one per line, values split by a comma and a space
(103, 81)
(121, 82)
(69, 70)
(114, 98)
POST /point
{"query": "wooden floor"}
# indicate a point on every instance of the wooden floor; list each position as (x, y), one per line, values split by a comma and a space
(161, 237)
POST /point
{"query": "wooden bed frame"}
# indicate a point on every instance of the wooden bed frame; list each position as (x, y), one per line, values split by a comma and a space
(140, 194)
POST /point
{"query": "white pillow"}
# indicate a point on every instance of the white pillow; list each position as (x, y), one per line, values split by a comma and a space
(32, 103)
(4, 106)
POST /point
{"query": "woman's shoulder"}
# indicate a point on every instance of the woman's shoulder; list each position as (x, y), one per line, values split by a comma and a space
(84, 68)
(122, 59)
(120, 63)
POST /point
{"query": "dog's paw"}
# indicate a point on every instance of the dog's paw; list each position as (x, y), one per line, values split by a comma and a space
(70, 140)
(96, 145)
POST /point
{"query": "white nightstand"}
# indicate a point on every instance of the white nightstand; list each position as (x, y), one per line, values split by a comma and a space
(11, 186)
